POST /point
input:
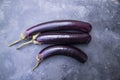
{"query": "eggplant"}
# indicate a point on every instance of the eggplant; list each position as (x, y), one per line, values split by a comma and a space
(53, 50)
(59, 38)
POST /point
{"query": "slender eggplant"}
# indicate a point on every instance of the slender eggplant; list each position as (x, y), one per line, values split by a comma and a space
(59, 38)
(55, 25)
(60, 50)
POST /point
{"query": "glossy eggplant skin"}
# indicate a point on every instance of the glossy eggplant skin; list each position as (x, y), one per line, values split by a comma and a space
(70, 51)
(63, 38)
(58, 25)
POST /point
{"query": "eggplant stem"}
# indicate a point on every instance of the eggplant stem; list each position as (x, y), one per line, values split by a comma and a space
(35, 36)
(31, 41)
(15, 42)
(38, 62)
(26, 43)
(22, 37)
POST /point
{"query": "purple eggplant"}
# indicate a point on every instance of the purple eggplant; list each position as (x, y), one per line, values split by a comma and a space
(61, 50)
(59, 25)
(59, 38)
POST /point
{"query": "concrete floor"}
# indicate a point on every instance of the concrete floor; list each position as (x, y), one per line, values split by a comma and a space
(103, 51)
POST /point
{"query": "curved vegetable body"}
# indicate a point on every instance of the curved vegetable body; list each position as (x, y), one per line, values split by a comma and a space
(63, 38)
(61, 50)
(59, 25)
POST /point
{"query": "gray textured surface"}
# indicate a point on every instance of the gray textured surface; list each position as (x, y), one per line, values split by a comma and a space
(103, 51)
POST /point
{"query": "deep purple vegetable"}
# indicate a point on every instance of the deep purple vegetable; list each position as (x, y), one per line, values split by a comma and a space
(59, 25)
(61, 50)
(59, 38)
(56, 25)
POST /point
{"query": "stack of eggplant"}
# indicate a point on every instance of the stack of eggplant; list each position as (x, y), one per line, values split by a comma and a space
(61, 33)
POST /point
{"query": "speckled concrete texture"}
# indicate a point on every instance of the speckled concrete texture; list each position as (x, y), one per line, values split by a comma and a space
(103, 51)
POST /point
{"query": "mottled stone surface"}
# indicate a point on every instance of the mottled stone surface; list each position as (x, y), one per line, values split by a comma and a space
(103, 51)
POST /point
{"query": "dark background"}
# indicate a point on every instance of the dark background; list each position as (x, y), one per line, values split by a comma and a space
(103, 51)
